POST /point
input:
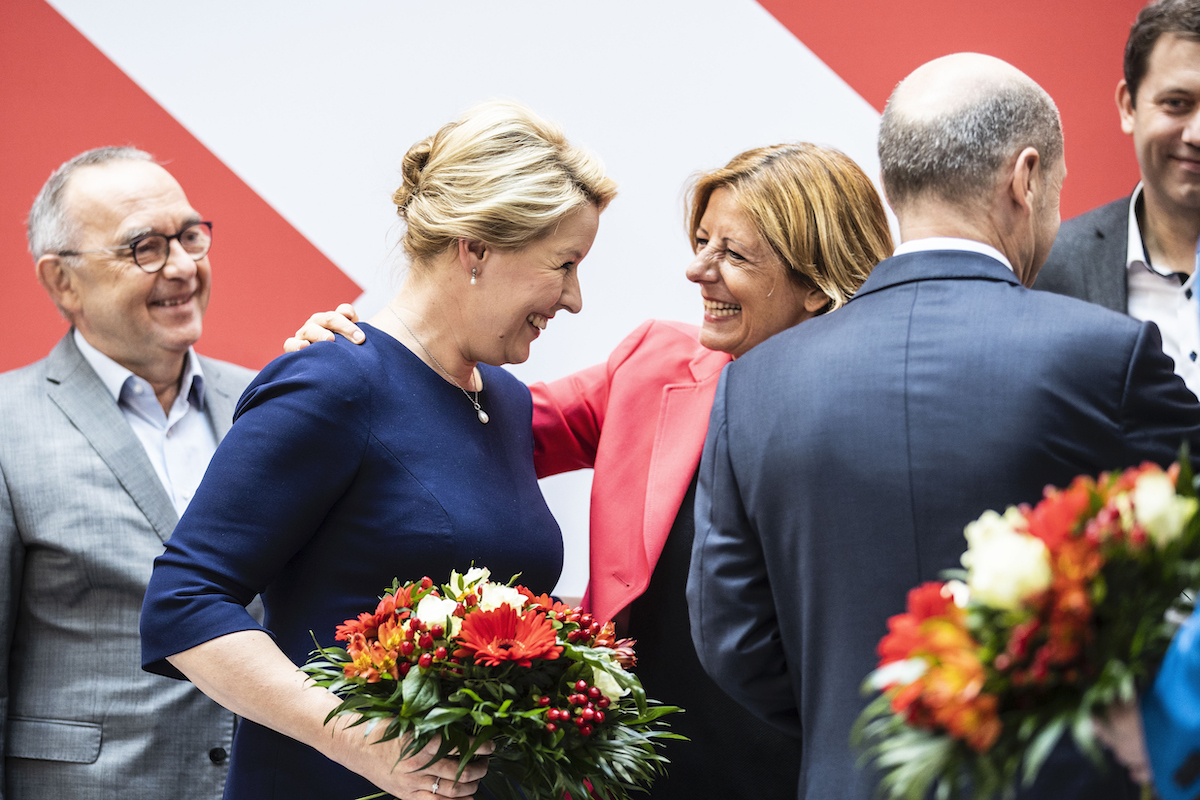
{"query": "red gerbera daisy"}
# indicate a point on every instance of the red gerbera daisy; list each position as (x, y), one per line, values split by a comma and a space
(502, 634)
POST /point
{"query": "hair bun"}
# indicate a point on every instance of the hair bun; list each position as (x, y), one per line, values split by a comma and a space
(410, 169)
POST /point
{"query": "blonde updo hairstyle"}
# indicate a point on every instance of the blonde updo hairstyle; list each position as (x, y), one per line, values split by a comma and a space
(813, 205)
(499, 174)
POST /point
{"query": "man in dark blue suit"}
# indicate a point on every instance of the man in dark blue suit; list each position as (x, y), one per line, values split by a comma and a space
(845, 456)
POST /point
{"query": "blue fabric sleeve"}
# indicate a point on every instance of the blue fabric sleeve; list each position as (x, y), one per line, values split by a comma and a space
(298, 437)
(1171, 716)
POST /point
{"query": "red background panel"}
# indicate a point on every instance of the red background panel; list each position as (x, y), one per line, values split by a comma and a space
(1073, 49)
(60, 96)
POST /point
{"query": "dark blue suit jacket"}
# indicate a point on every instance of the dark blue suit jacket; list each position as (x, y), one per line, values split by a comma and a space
(845, 456)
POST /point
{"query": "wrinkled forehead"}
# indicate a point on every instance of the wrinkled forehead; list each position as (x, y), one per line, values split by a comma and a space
(123, 199)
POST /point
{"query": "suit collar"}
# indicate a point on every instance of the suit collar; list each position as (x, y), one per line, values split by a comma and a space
(935, 265)
(221, 393)
(79, 393)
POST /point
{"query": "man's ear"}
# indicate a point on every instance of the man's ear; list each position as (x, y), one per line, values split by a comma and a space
(59, 283)
(1025, 181)
(1125, 107)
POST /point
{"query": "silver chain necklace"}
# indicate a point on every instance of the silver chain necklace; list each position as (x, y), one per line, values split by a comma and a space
(483, 417)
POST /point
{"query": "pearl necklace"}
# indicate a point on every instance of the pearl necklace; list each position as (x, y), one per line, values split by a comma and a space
(483, 417)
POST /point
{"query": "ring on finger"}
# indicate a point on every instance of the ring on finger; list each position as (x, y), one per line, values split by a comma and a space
(437, 783)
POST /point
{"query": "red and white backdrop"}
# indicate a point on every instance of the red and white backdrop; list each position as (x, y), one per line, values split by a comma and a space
(286, 123)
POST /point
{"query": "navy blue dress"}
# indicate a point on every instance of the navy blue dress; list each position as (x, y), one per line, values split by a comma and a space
(347, 466)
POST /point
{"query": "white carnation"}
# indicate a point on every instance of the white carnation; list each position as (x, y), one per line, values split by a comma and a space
(438, 611)
(897, 673)
(497, 594)
(1005, 565)
(462, 584)
(607, 684)
(1159, 510)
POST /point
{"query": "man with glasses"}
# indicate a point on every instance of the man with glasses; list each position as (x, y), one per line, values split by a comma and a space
(102, 444)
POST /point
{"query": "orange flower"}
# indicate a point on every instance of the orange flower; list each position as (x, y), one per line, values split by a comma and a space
(545, 602)
(501, 635)
(368, 624)
(928, 600)
(1054, 520)
(976, 723)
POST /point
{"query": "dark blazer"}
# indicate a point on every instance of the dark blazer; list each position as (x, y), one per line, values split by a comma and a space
(845, 456)
(1090, 258)
(82, 517)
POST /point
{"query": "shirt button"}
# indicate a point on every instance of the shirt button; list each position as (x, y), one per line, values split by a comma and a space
(217, 755)
(1193, 355)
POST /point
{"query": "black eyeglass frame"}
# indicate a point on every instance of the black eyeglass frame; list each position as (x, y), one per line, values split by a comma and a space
(132, 247)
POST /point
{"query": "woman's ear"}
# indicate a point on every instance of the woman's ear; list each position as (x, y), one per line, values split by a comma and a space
(815, 301)
(471, 255)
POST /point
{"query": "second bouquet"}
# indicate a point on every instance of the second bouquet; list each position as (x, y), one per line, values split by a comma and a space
(474, 660)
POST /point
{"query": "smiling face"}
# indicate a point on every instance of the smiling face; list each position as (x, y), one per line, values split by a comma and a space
(1165, 124)
(519, 291)
(144, 322)
(747, 292)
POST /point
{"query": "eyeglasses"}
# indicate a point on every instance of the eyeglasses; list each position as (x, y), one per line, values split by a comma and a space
(150, 251)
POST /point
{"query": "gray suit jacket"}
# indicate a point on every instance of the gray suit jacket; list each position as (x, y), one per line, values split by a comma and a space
(1089, 258)
(82, 517)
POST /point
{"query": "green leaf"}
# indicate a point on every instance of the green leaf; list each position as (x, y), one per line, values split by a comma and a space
(420, 692)
(1039, 749)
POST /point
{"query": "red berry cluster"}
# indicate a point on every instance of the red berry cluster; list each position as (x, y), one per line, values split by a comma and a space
(393, 644)
(588, 628)
(585, 709)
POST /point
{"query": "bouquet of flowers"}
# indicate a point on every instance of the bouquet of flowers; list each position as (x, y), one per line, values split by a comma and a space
(1063, 609)
(473, 661)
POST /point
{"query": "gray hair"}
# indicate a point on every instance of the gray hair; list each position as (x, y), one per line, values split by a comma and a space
(51, 228)
(957, 155)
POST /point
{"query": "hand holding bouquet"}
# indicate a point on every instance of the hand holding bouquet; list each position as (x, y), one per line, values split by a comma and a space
(1062, 610)
(475, 661)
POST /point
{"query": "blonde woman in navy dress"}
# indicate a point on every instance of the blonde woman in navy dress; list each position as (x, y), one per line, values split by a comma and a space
(409, 455)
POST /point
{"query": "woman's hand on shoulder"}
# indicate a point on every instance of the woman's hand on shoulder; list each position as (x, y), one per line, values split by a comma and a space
(323, 325)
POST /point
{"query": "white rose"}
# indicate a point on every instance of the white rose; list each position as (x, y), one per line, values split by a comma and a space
(467, 583)
(1158, 509)
(607, 684)
(438, 611)
(1004, 565)
(958, 591)
(897, 673)
(497, 594)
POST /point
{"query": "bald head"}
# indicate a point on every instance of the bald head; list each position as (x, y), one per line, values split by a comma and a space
(955, 122)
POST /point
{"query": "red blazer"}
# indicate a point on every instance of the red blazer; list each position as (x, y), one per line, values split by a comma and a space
(639, 420)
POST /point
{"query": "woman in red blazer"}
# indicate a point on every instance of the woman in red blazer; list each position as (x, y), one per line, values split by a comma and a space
(781, 234)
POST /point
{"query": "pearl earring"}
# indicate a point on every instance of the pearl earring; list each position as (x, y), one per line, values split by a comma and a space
(473, 271)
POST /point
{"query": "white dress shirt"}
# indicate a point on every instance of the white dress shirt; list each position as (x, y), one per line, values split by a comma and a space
(1168, 300)
(952, 243)
(179, 444)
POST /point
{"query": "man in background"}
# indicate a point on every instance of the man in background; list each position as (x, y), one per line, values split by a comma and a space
(1137, 255)
(102, 444)
(845, 456)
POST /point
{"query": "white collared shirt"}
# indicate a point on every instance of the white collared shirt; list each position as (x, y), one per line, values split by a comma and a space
(179, 444)
(952, 243)
(1159, 297)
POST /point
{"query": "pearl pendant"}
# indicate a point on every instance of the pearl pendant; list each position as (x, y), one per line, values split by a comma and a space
(483, 417)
